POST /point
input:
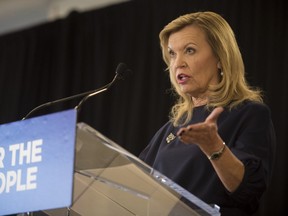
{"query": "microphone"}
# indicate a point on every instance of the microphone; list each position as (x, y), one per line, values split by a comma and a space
(121, 72)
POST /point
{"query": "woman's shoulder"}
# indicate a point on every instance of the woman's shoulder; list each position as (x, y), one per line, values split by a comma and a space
(252, 109)
(253, 106)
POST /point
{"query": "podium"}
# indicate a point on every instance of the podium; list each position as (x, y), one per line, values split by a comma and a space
(110, 181)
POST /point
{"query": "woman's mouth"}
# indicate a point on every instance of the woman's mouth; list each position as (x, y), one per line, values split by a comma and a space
(182, 78)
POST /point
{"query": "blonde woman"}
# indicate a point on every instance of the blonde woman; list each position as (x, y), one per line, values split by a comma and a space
(219, 142)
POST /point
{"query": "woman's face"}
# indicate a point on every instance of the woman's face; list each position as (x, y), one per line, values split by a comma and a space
(192, 62)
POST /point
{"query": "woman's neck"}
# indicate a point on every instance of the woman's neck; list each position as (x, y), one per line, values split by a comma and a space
(199, 101)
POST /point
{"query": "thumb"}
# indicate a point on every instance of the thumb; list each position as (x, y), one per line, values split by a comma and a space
(214, 115)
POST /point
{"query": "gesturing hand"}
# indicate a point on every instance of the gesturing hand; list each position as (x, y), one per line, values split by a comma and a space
(204, 134)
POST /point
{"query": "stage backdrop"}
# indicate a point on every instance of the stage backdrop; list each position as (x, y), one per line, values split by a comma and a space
(81, 52)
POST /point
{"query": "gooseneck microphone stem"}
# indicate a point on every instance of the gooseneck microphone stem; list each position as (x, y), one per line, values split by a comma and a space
(121, 71)
(104, 88)
(59, 101)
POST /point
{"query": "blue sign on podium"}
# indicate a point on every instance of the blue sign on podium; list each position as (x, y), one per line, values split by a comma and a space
(37, 163)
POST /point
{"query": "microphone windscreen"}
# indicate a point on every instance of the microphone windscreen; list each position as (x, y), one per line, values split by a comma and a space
(122, 71)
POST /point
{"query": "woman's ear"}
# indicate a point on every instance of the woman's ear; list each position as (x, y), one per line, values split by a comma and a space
(219, 65)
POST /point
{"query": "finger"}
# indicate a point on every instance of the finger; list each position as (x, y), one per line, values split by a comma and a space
(181, 131)
(214, 114)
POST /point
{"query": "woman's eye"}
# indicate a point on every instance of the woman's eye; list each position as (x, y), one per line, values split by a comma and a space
(190, 50)
(171, 53)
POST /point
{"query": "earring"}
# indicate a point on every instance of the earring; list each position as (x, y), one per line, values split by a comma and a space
(220, 72)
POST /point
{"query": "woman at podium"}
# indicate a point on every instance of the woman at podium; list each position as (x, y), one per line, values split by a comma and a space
(219, 142)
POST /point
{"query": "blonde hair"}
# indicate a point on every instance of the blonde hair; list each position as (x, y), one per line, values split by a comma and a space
(233, 87)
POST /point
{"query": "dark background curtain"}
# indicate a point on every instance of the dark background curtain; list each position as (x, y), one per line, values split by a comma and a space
(81, 52)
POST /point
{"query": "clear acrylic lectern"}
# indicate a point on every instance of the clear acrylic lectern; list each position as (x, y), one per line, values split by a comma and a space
(109, 181)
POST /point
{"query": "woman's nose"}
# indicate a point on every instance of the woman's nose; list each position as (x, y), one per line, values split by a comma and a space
(180, 61)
